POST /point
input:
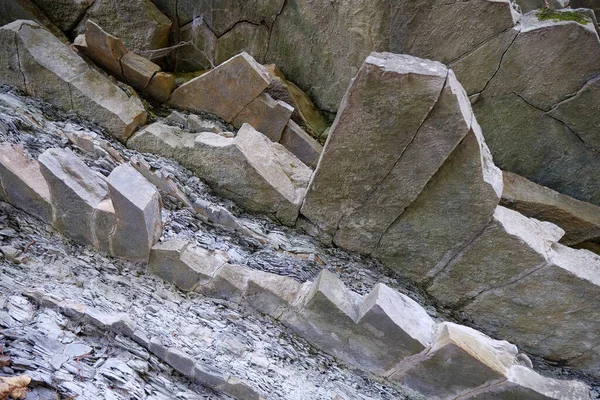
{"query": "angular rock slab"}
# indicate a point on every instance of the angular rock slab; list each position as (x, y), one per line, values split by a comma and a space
(137, 205)
(14, 10)
(78, 197)
(22, 183)
(460, 360)
(261, 175)
(103, 48)
(225, 90)
(266, 115)
(545, 132)
(301, 144)
(64, 13)
(42, 66)
(579, 220)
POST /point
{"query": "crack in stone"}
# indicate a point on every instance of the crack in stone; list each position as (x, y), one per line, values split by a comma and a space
(20, 65)
(480, 45)
(499, 63)
(576, 93)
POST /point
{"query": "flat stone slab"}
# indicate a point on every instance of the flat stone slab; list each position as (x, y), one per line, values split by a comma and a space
(225, 90)
(266, 115)
(42, 66)
(301, 144)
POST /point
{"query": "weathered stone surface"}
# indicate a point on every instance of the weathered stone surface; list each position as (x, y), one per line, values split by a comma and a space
(510, 247)
(200, 52)
(243, 37)
(161, 86)
(103, 48)
(181, 362)
(137, 207)
(552, 312)
(460, 360)
(261, 176)
(301, 144)
(225, 90)
(13, 10)
(579, 220)
(48, 69)
(183, 264)
(305, 113)
(138, 23)
(137, 70)
(271, 294)
(394, 327)
(523, 383)
(22, 183)
(65, 14)
(76, 193)
(229, 282)
(266, 115)
(591, 4)
(529, 5)
(360, 132)
(521, 114)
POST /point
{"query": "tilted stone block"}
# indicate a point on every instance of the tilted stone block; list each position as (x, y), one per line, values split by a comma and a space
(301, 144)
(524, 384)
(229, 283)
(271, 294)
(42, 66)
(137, 206)
(22, 183)
(266, 115)
(460, 360)
(225, 90)
(261, 176)
(137, 70)
(580, 220)
(183, 264)
(104, 49)
(76, 193)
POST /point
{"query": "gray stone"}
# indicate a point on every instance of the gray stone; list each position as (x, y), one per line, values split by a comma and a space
(523, 383)
(138, 23)
(225, 90)
(181, 362)
(137, 206)
(13, 10)
(460, 360)
(228, 283)
(200, 51)
(209, 376)
(48, 69)
(65, 14)
(239, 389)
(271, 294)
(301, 144)
(243, 37)
(579, 220)
(261, 176)
(22, 183)
(529, 5)
(266, 115)
(522, 116)
(76, 193)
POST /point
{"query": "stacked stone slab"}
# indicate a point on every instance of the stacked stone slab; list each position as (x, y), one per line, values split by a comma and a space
(261, 176)
(579, 220)
(383, 332)
(39, 64)
(237, 91)
(111, 54)
(401, 112)
(119, 215)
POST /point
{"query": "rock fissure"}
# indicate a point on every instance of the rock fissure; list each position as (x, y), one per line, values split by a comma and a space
(500, 62)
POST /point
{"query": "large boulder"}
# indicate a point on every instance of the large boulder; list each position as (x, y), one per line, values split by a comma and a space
(261, 176)
(544, 132)
(65, 14)
(13, 10)
(40, 65)
(138, 23)
(399, 112)
(22, 183)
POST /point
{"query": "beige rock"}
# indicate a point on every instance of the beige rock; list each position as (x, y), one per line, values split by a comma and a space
(301, 144)
(137, 70)
(220, 92)
(22, 183)
(243, 37)
(579, 220)
(104, 49)
(137, 206)
(48, 69)
(271, 294)
(266, 115)
(161, 86)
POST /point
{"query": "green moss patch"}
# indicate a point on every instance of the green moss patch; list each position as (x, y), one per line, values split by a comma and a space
(557, 16)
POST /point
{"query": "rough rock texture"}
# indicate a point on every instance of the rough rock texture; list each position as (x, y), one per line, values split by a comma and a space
(138, 23)
(104, 49)
(13, 10)
(243, 37)
(65, 14)
(529, 5)
(592, 4)
(22, 183)
(261, 176)
(76, 194)
(137, 205)
(579, 220)
(42, 66)
(385, 208)
(545, 132)
(200, 52)
(266, 115)
(225, 90)
(301, 144)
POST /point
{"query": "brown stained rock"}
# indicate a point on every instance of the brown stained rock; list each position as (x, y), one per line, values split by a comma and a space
(301, 144)
(104, 49)
(225, 90)
(266, 115)
(137, 70)
(22, 184)
(161, 86)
